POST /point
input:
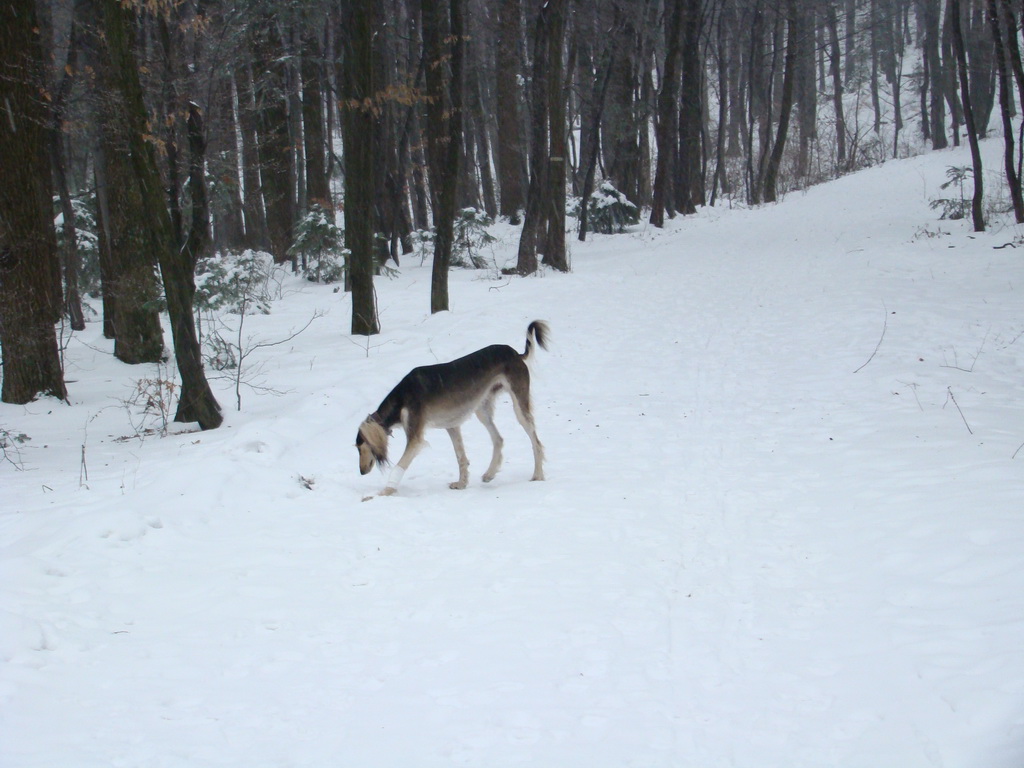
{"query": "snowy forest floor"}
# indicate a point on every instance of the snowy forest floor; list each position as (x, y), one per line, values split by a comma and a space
(783, 523)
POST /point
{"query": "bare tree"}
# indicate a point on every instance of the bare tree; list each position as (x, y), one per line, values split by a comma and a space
(360, 149)
(667, 108)
(977, 213)
(443, 47)
(1006, 110)
(30, 295)
(130, 289)
(510, 155)
(771, 171)
(156, 231)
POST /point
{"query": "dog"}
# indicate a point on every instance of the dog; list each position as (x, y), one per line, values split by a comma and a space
(445, 396)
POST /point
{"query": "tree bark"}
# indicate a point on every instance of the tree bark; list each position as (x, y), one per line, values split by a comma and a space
(253, 212)
(131, 279)
(196, 402)
(277, 163)
(30, 295)
(948, 72)
(1005, 108)
(510, 155)
(771, 173)
(554, 244)
(977, 213)
(837, 85)
(667, 105)
(226, 205)
(70, 260)
(318, 189)
(533, 220)
(689, 184)
(357, 114)
(443, 41)
(620, 129)
(932, 43)
(483, 149)
(590, 160)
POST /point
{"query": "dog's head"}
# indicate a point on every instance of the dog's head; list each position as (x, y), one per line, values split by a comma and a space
(372, 442)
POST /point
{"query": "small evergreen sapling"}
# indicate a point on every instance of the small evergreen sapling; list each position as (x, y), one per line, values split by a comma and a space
(609, 212)
(955, 208)
(318, 246)
(470, 235)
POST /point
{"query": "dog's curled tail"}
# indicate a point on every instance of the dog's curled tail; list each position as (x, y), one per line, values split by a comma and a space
(538, 332)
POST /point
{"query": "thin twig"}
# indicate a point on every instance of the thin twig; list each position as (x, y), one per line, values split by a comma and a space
(956, 363)
(913, 388)
(885, 325)
(247, 348)
(1017, 451)
(951, 397)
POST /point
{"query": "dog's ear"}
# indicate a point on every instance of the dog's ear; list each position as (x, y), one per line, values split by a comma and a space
(376, 439)
(376, 420)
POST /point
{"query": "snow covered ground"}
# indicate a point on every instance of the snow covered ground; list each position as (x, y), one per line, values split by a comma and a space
(762, 541)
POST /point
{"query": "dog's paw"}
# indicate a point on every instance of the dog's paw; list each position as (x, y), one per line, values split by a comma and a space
(389, 491)
(488, 478)
(458, 485)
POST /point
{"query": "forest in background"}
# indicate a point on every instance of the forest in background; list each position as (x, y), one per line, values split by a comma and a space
(140, 139)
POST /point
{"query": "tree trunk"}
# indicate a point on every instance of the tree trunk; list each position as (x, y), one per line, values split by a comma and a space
(226, 206)
(1017, 67)
(253, 212)
(196, 402)
(1005, 108)
(981, 67)
(837, 85)
(667, 105)
(60, 85)
(533, 220)
(420, 195)
(720, 179)
(360, 149)
(771, 174)
(318, 189)
(590, 161)
(932, 43)
(806, 93)
(620, 129)
(554, 244)
(511, 162)
(874, 32)
(977, 214)
(483, 149)
(134, 295)
(689, 184)
(948, 72)
(30, 295)
(277, 164)
(850, 36)
(1013, 49)
(443, 40)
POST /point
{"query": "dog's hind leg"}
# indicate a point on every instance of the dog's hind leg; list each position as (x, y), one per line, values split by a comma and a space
(455, 433)
(520, 390)
(486, 415)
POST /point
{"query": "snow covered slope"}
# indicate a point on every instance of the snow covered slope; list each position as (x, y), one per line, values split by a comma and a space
(783, 523)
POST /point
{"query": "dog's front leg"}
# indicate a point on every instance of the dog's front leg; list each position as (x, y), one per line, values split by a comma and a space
(411, 449)
(455, 433)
